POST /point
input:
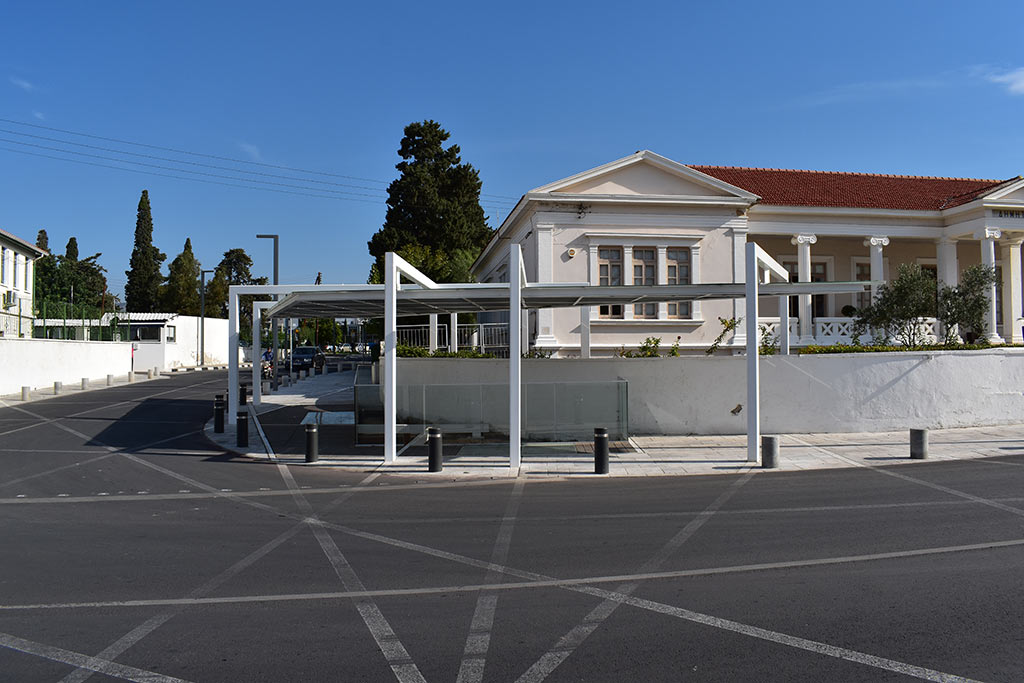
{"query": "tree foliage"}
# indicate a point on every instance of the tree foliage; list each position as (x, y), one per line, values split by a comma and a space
(434, 219)
(181, 293)
(142, 291)
(962, 309)
(67, 279)
(899, 305)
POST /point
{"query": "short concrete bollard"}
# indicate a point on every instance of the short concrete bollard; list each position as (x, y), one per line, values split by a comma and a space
(156, 371)
(57, 386)
(242, 429)
(312, 443)
(600, 450)
(131, 376)
(218, 414)
(769, 452)
(918, 444)
(26, 393)
(149, 373)
(435, 450)
(110, 380)
(265, 386)
(85, 382)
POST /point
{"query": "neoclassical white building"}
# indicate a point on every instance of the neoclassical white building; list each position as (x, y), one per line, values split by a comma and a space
(646, 219)
(16, 284)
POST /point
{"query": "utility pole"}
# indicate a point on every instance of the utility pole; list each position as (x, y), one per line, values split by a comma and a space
(273, 321)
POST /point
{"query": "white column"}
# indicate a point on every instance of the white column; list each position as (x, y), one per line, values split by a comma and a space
(453, 332)
(1012, 292)
(432, 334)
(803, 244)
(784, 325)
(662, 274)
(753, 368)
(544, 236)
(695, 279)
(584, 331)
(515, 360)
(739, 245)
(391, 279)
(525, 327)
(594, 276)
(257, 355)
(627, 278)
(988, 238)
(946, 265)
(232, 405)
(875, 244)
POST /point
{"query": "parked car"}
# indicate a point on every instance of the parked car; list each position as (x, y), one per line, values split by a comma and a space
(305, 357)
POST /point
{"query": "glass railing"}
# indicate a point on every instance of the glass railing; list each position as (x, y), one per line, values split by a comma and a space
(552, 411)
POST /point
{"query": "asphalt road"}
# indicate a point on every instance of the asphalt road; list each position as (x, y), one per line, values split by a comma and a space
(134, 549)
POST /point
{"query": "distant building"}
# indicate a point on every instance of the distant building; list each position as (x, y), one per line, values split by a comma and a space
(645, 219)
(16, 284)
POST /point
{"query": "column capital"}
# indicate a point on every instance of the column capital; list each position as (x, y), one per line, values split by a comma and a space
(804, 238)
(1015, 241)
(876, 241)
(988, 234)
(946, 240)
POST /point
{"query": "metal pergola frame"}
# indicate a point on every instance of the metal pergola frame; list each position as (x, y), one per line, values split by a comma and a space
(424, 296)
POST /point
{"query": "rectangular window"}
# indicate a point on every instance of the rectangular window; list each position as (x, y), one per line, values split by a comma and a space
(609, 273)
(677, 264)
(818, 269)
(14, 280)
(3, 265)
(171, 332)
(645, 272)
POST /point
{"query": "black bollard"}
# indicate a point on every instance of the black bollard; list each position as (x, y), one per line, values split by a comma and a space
(435, 452)
(312, 443)
(600, 450)
(242, 429)
(918, 444)
(218, 414)
(769, 452)
(241, 394)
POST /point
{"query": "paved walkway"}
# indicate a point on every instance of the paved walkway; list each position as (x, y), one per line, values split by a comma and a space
(649, 455)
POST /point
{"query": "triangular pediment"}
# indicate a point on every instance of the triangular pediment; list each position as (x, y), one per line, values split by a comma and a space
(1011, 190)
(645, 173)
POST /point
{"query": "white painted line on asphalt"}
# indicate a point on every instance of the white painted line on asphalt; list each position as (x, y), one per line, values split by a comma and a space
(474, 653)
(938, 487)
(575, 637)
(581, 583)
(144, 629)
(55, 469)
(93, 664)
(387, 640)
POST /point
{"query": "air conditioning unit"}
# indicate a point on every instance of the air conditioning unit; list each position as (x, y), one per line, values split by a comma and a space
(10, 299)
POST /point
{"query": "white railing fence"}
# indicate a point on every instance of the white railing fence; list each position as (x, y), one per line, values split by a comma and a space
(828, 331)
(488, 337)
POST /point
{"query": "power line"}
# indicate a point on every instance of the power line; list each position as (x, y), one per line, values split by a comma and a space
(211, 156)
(197, 180)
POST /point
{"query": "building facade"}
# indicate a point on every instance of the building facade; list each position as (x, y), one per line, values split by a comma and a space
(646, 219)
(16, 284)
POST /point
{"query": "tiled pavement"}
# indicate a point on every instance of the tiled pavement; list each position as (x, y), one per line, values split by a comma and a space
(650, 455)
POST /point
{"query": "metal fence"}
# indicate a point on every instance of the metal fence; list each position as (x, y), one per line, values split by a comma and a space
(487, 337)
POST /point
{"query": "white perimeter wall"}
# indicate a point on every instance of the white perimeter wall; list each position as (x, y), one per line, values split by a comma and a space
(41, 362)
(799, 394)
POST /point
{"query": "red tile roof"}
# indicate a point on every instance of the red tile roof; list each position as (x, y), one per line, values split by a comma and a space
(857, 190)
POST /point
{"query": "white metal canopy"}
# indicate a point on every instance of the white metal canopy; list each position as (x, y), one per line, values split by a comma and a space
(393, 299)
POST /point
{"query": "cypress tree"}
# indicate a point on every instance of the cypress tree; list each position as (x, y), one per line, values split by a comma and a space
(434, 218)
(142, 291)
(181, 293)
(45, 273)
(71, 250)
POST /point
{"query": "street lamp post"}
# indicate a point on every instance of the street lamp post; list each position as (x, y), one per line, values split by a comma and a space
(273, 321)
(202, 315)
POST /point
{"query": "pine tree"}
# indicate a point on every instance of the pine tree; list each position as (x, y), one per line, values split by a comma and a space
(434, 218)
(142, 290)
(181, 293)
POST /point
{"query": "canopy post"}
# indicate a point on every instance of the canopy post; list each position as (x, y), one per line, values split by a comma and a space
(257, 356)
(515, 359)
(584, 331)
(432, 334)
(453, 332)
(753, 369)
(232, 354)
(390, 357)
(784, 325)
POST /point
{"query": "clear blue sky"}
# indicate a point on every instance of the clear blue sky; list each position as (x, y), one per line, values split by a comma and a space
(532, 92)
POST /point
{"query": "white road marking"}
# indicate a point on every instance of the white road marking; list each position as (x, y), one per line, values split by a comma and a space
(474, 654)
(92, 664)
(539, 583)
(142, 630)
(391, 647)
(568, 643)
